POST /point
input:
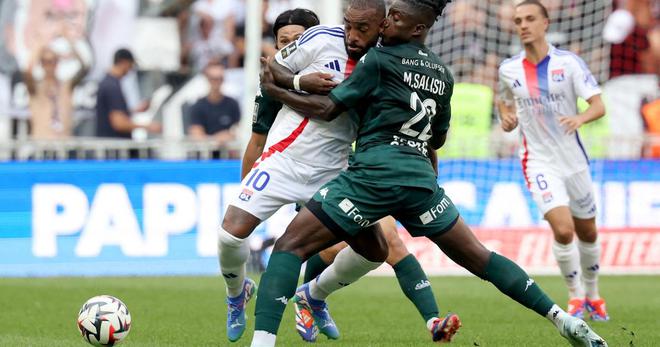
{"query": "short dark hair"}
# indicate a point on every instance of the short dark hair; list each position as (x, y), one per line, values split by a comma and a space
(544, 10)
(299, 16)
(123, 54)
(434, 6)
(378, 5)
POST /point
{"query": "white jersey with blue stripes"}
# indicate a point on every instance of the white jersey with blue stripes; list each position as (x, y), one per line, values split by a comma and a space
(542, 93)
(314, 142)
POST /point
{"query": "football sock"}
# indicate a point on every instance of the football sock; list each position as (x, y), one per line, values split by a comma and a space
(557, 316)
(568, 259)
(513, 281)
(590, 261)
(347, 268)
(314, 266)
(416, 286)
(233, 253)
(263, 339)
(277, 286)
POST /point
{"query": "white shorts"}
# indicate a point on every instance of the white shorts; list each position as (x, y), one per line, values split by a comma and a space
(551, 189)
(278, 181)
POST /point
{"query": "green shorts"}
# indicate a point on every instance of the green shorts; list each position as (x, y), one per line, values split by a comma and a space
(346, 206)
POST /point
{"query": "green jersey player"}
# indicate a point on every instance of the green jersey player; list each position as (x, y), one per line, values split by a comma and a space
(400, 96)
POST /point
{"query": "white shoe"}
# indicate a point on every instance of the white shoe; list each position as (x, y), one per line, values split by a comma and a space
(579, 334)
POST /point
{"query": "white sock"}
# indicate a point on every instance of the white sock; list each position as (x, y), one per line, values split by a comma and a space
(263, 339)
(557, 316)
(347, 268)
(568, 260)
(590, 261)
(233, 253)
(429, 323)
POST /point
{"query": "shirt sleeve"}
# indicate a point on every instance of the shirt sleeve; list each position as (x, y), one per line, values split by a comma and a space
(265, 112)
(197, 114)
(116, 101)
(584, 82)
(300, 54)
(235, 112)
(440, 122)
(504, 93)
(360, 84)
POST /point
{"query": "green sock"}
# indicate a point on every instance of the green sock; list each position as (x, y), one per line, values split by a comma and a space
(277, 286)
(513, 281)
(315, 265)
(416, 286)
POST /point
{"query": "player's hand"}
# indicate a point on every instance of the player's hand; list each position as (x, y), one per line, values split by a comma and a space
(570, 123)
(509, 121)
(317, 83)
(266, 76)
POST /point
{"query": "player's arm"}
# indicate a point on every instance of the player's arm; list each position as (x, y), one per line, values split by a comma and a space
(505, 106)
(253, 151)
(312, 106)
(265, 112)
(586, 87)
(440, 122)
(297, 56)
(314, 83)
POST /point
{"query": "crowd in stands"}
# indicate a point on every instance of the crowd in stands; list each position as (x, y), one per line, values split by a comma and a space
(74, 77)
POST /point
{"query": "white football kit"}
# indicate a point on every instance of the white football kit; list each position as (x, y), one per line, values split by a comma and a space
(301, 154)
(555, 164)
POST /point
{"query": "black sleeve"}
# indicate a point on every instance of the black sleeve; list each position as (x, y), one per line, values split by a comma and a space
(265, 112)
(235, 112)
(197, 114)
(116, 101)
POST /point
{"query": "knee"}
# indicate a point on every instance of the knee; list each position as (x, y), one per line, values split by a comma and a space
(328, 255)
(564, 233)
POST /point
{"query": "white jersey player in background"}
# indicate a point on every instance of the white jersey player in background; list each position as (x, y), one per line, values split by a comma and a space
(301, 155)
(538, 92)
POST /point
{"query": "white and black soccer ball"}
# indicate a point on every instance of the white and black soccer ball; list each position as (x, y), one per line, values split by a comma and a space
(104, 321)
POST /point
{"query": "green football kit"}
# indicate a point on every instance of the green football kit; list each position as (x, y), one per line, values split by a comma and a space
(400, 95)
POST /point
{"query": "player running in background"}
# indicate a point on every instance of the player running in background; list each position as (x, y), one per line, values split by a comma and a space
(401, 94)
(302, 156)
(538, 91)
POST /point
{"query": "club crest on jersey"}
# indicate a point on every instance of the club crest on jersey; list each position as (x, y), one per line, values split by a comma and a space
(288, 50)
(245, 195)
(547, 197)
(558, 75)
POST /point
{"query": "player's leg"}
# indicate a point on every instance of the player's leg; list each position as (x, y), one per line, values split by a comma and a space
(550, 193)
(305, 236)
(263, 191)
(320, 261)
(409, 273)
(566, 253)
(461, 245)
(310, 321)
(583, 210)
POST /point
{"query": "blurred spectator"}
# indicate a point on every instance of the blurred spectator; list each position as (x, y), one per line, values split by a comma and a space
(651, 116)
(267, 45)
(112, 114)
(51, 101)
(631, 29)
(214, 116)
(213, 33)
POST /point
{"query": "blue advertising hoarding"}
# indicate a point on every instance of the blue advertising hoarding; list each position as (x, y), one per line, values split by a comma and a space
(158, 218)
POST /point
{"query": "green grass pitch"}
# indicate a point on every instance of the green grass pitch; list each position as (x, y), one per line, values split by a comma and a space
(190, 311)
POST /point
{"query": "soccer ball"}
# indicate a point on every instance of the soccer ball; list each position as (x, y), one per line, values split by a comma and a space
(104, 320)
